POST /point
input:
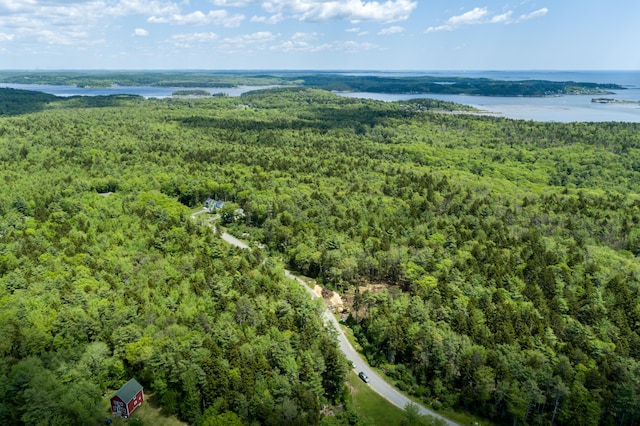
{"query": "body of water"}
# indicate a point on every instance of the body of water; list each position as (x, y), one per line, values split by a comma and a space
(567, 108)
(146, 91)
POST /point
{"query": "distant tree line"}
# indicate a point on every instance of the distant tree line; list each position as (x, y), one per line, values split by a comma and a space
(321, 80)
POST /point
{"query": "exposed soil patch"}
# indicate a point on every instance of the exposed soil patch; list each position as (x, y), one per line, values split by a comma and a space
(344, 303)
(374, 287)
(331, 298)
(349, 297)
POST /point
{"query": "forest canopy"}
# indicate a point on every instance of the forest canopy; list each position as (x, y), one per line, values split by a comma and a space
(507, 251)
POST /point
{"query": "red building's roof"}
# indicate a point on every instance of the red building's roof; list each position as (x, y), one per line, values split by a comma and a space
(128, 391)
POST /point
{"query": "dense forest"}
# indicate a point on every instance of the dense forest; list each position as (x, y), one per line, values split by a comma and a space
(451, 85)
(16, 102)
(343, 82)
(507, 251)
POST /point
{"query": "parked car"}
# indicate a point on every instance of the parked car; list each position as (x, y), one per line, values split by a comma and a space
(363, 376)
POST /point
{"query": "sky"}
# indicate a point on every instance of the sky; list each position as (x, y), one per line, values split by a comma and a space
(320, 34)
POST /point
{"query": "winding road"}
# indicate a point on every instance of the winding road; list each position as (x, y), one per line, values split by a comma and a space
(380, 386)
(383, 388)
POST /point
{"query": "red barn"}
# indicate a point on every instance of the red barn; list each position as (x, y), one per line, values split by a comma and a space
(127, 399)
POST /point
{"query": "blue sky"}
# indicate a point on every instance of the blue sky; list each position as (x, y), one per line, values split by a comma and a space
(320, 34)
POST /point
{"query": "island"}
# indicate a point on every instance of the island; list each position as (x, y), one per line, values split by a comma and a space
(192, 93)
(331, 81)
(613, 101)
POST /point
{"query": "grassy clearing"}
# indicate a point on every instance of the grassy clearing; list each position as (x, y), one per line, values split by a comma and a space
(150, 414)
(370, 405)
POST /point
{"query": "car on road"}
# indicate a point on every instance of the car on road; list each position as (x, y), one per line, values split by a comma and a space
(363, 376)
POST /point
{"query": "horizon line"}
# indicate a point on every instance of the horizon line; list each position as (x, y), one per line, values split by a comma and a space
(327, 70)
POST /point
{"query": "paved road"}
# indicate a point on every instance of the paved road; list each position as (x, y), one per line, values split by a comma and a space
(233, 240)
(385, 390)
(193, 216)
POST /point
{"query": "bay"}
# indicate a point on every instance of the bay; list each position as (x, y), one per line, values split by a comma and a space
(567, 108)
(145, 91)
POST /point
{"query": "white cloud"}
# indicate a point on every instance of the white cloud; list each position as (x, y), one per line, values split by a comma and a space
(439, 28)
(248, 41)
(62, 38)
(273, 19)
(234, 3)
(188, 40)
(16, 5)
(18, 13)
(143, 7)
(140, 32)
(505, 17)
(336, 46)
(357, 31)
(293, 46)
(349, 10)
(304, 36)
(330, 10)
(537, 14)
(474, 16)
(481, 15)
(352, 46)
(258, 37)
(391, 30)
(216, 17)
(94, 17)
(6, 37)
(71, 22)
